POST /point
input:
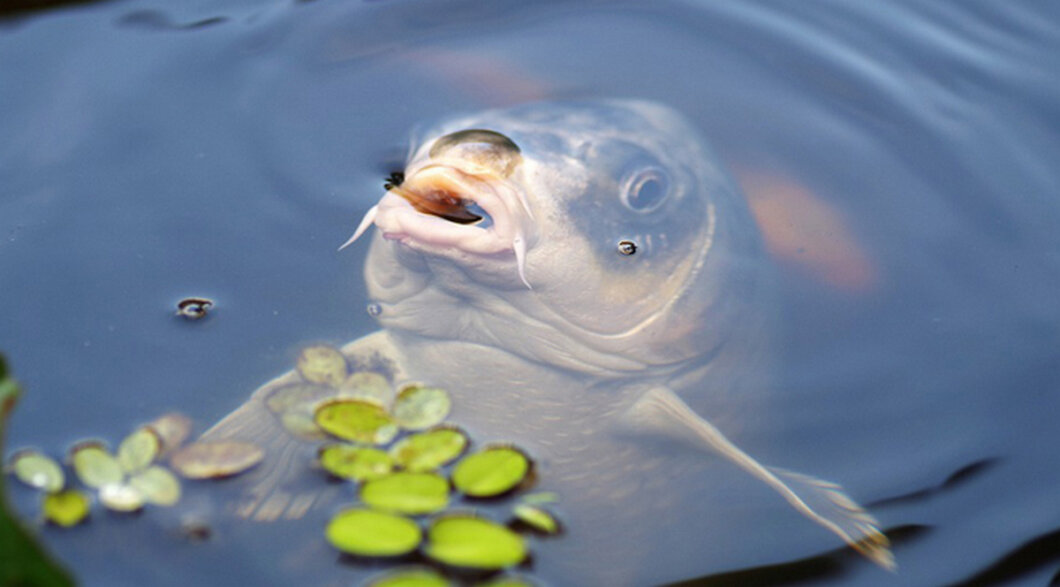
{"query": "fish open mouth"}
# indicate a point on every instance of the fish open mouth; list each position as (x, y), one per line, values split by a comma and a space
(454, 204)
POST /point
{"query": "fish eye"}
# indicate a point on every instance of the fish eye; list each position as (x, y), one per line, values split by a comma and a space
(627, 247)
(488, 148)
(646, 190)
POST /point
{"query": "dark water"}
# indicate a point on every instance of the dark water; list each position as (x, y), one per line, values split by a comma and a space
(156, 150)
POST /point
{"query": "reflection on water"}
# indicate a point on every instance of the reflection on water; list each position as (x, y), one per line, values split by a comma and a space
(150, 157)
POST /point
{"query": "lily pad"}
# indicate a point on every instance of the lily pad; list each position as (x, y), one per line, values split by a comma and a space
(430, 450)
(211, 460)
(363, 532)
(491, 472)
(356, 421)
(418, 408)
(411, 577)
(66, 508)
(38, 470)
(121, 497)
(355, 462)
(157, 485)
(94, 466)
(322, 364)
(506, 581)
(536, 518)
(367, 386)
(172, 430)
(473, 542)
(139, 450)
(407, 493)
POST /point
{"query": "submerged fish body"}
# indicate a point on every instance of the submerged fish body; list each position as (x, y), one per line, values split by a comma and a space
(575, 274)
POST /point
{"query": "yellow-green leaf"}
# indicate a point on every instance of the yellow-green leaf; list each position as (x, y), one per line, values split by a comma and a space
(536, 518)
(38, 470)
(121, 497)
(322, 364)
(473, 542)
(157, 485)
(139, 449)
(65, 508)
(367, 386)
(491, 472)
(94, 466)
(370, 533)
(356, 421)
(407, 493)
(417, 408)
(410, 577)
(355, 462)
(430, 450)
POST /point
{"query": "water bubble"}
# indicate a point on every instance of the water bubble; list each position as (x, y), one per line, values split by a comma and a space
(374, 309)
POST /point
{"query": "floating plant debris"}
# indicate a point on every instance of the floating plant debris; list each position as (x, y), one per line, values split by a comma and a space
(367, 386)
(157, 486)
(411, 577)
(430, 450)
(172, 430)
(121, 497)
(211, 460)
(194, 308)
(418, 408)
(65, 508)
(356, 421)
(473, 542)
(407, 493)
(491, 472)
(38, 470)
(536, 518)
(323, 365)
(358, 463)
(370, 533)
(139, 450)
(94, 466)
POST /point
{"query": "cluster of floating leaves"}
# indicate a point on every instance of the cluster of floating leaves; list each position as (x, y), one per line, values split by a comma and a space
(131, 477)
(408, 465)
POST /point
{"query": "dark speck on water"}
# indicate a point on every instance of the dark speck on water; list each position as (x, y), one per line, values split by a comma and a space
(899, 158)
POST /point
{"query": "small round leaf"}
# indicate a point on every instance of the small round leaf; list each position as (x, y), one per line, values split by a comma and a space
(120, 497)
(410, 577)
(356, 421)
(94, 466)
(536, 518)
(157, 485)
(418, 408)
(211, 460)
(367, 386)
(38, 470)
(430, 450)
(172, 430)
(355, 462)
(66, 508)
(139, 450)
(322, 364)
(491, 472)
(473, 542)
(407, 493)
(363, 532)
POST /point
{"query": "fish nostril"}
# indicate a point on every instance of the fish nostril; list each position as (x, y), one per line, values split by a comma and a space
(486, 148)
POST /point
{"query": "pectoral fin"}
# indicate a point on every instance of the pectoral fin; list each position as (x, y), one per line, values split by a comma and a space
(661, 411)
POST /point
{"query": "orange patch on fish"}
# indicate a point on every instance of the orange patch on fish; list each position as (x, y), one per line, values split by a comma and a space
(802, 231)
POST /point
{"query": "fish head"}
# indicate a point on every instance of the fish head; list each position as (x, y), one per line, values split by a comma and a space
(600, 236)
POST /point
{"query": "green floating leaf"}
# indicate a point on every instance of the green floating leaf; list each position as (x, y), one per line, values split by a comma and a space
(355, 462)
(172, 430)
(211, 460)
(38, 470)
(139, 450)
(491, 472)
(157, 485)
(356, 421)
(364, 532)
(473, 542)
(431, 450)
(120, 497)
(66, 508)
(322, 364)
(367, 386)
(407, 493)
(417, 408)
(94, 466)
(411, 577)
(536, 518)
